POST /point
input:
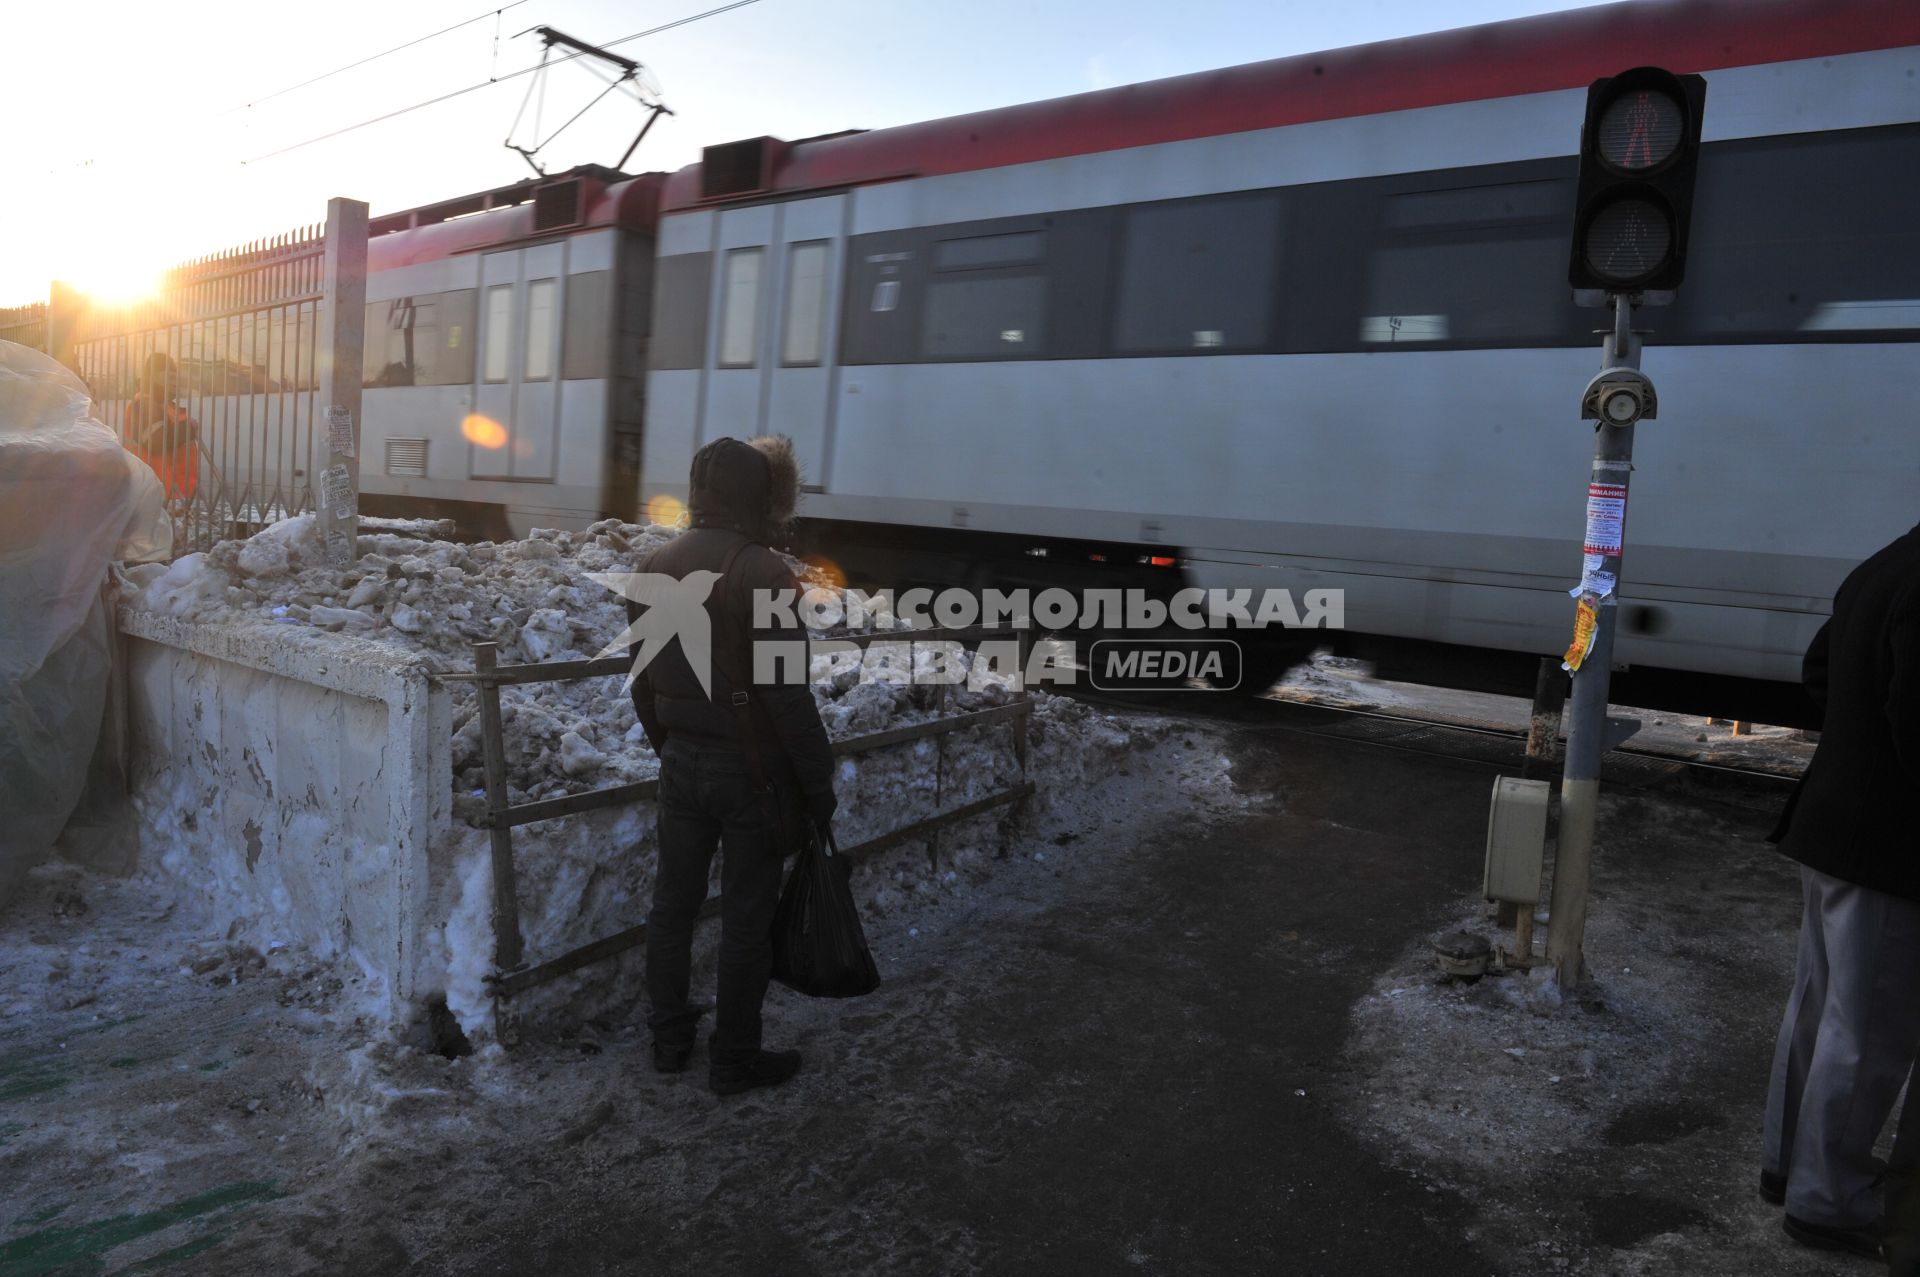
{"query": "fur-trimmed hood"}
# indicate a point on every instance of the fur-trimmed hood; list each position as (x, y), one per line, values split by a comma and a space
(752, 487)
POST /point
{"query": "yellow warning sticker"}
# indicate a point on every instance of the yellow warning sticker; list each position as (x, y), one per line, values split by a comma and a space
(1585, 618)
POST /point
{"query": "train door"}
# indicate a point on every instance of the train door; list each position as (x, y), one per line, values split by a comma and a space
(811, 240)
(519, 375)
(736, 355)
(775, 322)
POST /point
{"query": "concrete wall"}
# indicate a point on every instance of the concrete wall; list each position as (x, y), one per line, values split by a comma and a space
(299, 782)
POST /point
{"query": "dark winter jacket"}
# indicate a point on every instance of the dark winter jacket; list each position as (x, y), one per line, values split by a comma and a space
(740, 494)
(1852, 815)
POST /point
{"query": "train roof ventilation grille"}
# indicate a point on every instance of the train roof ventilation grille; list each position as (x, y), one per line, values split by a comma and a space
(407, 457)
(557, 205)
(739, 168)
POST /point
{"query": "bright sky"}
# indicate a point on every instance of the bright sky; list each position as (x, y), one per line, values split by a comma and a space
(142, 149)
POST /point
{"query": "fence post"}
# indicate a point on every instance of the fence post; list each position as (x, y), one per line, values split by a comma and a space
(64, 306)
(343, 310)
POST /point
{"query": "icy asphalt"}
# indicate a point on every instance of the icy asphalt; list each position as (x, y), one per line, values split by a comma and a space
(1169, 1046)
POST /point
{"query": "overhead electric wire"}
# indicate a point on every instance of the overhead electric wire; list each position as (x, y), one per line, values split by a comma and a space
(374, 57)
(474, 88)
(494, 12)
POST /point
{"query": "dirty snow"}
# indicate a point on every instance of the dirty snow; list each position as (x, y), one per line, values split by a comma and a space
(591, 875)
(1513, 1092)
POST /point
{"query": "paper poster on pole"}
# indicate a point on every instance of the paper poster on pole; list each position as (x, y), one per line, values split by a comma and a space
(1594, 579)
(1586, 618)
(336, 491)
(340, 430)
(1606, 517)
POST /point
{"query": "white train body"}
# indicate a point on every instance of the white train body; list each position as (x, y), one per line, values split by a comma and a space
(1302, 323)
(1401, 422)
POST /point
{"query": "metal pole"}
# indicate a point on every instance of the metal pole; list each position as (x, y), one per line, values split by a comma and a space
(343, 320)
(1587, 726)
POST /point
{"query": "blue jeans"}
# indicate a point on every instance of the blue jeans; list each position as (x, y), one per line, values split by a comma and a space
(707, 801)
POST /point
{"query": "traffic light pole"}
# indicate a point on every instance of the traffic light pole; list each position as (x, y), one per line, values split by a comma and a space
(1587, 725)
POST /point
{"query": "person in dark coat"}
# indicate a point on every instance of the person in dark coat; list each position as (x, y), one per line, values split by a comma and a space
(740, 495)
(1852, 1022)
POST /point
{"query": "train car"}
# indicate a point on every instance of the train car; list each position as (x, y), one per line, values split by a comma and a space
(1306, 323)
(506, 343)
(504, 359)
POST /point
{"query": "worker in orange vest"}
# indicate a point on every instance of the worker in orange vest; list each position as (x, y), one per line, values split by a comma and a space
(159, 431)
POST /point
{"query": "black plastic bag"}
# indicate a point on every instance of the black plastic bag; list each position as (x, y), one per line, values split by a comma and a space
(819, 948)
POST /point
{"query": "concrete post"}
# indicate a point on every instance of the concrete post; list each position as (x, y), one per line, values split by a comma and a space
(65, 305)
(343, 317)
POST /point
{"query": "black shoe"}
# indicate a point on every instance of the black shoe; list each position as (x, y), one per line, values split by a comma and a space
(765, 1068)
(1860, 1240)
(670, 1057)
(1773, 1187)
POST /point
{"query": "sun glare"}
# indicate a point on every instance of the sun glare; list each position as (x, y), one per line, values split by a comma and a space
(115, 288)
(108, 272)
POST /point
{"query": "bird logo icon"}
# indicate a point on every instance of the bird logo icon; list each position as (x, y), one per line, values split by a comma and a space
(675, 608)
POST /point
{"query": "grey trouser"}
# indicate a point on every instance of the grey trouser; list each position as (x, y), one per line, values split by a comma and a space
(1846, 1044)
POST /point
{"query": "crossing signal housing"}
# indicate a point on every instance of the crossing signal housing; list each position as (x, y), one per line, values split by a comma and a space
(1639, 148)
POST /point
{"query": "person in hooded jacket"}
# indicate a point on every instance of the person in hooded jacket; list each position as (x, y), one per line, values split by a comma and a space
(160, 432)
(1852, 1023)
(741, 495)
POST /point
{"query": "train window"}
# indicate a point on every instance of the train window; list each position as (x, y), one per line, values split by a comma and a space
(540, 331)
(1197, 275)
(584, 339)
(1485, 291)
(453, 353)
(420, 341)
(1471, 265)
(740, 308)
(806, 315)
(678, 338)
(1838, 266)
(885, 277)
(988, 250)
(1479, 205)
(388, 357)
(499, 332)
(972, 317)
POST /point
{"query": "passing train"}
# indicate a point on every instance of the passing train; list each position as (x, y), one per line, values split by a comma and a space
(1300, 323)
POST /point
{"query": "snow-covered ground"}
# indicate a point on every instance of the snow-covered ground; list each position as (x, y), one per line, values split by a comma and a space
(199, 1092)
(1327, 679)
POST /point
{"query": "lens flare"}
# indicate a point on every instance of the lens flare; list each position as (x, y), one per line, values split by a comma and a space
(668, 512)
(824, 571)
(484, 432)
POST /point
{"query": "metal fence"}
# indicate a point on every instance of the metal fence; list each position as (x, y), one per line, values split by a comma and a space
(226, 381)
(512, 974)
(26, 325)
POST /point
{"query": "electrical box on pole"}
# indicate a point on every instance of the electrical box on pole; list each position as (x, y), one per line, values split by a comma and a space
(1639, 148)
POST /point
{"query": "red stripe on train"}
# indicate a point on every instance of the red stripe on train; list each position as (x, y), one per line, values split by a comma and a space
(1502, 59)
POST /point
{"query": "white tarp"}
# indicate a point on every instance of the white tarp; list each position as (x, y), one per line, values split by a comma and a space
(72, 500)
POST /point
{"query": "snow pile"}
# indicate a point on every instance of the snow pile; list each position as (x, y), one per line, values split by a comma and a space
(590, 875)
(532, 598)
(411, 591)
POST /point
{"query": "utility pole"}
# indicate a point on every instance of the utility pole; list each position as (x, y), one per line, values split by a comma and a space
(1599, 593)
(1639, 146)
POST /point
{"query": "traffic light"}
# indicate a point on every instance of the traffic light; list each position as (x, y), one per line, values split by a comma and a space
(1638, 151)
